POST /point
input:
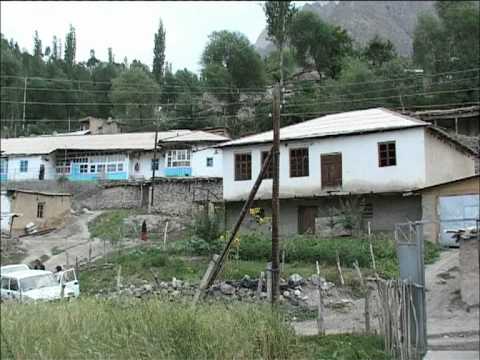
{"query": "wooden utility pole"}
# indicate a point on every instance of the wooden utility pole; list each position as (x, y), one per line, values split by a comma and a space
(275, 192)
(154, 161)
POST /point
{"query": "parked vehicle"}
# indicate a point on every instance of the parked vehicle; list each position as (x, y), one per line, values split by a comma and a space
(31, 285)
(13, 268)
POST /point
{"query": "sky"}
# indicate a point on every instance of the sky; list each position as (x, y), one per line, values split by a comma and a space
(129, 27)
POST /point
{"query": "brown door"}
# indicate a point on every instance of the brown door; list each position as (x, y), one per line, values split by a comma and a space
(331, 168)
(306, 219)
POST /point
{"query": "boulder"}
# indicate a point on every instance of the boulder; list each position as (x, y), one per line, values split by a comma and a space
(295, 280)
(227, 289)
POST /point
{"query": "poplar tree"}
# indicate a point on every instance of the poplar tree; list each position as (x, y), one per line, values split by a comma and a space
(70, 47)
(159, 53)
(37, 45)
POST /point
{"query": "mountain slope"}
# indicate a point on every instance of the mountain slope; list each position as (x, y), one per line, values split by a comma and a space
(393, 20)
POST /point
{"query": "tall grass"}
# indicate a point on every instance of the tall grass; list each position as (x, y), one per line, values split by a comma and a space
(106, 329)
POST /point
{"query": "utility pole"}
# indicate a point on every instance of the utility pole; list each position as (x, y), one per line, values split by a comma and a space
(24, 102)
(154, 161)
(275, 193)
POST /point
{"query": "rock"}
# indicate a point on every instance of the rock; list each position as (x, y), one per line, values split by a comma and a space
(148, 287)
(86, 211)
(295, 280)
(227, 289)
(327, 285)
(286, 294)
(175, 293)
(297, 293)
(248, 283)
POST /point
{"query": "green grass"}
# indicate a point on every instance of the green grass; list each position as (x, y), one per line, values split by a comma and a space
(110, 225)
(151, 329)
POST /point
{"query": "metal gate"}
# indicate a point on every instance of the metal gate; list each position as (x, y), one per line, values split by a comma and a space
(456, 212)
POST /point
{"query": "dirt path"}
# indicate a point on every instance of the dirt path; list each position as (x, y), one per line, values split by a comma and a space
(74, 238)
(449, 324)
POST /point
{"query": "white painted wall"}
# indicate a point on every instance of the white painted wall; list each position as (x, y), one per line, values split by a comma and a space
(144, 159)
(360, 173)
(34, 162)
(5, 211)
(199, 163)
(444, 162)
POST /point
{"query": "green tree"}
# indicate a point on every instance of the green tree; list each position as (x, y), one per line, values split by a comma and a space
(272, 65)
(37, 45)
(279, 16)
(314, 39)
(379, 51)
(135, 95)
(70, 47)
(159, 53)
(93, 61)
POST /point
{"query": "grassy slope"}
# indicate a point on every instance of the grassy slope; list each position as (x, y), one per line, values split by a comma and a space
(129, 329)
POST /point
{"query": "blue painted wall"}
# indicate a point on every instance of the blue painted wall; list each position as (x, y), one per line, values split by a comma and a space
(179, 171)
(76, 175)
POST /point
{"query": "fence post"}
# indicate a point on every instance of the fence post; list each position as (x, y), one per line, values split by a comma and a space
(268, 271)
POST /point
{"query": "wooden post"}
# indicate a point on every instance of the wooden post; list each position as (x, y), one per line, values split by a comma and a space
(339, 270)
(282, 268)
(268, 271)
(119, 278)
(89, 251)
(260, 285)
(206, 278)
(275, 268)
(320, 320)
(366, 293)
(165, 236)
(154, 164)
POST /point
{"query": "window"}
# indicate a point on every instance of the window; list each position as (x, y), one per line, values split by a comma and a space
(111, 168)
(269, 172)
(13, 284)
(299, 162)
(5, 283)
(23, 165)
(178, 158)
(331, 170)
(120, 167)
(40, 208)
(155, 164)
(83, 168)
(387, 155)
(92, 168)
(3, 166)
(100, 168)
(209, 162)
(243, 166)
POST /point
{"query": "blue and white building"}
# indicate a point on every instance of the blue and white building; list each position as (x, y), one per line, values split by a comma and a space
(127, 156)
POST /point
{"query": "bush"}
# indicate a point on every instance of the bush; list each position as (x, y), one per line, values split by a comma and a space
(206, 226)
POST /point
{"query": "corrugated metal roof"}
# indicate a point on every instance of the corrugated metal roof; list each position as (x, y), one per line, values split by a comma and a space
(126, 141)
(336, 124)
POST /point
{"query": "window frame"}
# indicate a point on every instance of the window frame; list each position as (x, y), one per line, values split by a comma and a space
(23, 166)
(111, 168)
(385, 158)
(40, 210)
(83, 168)
(119, 167)
(301, 167)
(156, 163)
(242, 166)
(178, 158)
(209, 161)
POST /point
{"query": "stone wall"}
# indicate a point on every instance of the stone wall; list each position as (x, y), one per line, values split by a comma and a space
(469, 271)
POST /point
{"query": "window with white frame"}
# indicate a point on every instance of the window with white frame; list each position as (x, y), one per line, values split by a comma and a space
(178, 158)
(209, 161)
(155, 164)
(83, 168)
(111, 167)
(120, 167)
(3, 166)
(101, 168)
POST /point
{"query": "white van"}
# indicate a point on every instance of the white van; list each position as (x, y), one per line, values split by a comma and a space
(13, 268)
(28, 285)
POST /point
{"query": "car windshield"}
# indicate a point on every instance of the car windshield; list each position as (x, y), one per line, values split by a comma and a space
(38, 281)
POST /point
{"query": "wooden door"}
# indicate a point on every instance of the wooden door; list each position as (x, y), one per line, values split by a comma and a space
(306, 219)
(331, 168)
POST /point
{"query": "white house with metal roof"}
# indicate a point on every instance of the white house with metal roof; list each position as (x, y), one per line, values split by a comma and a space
(375, 153)
(111, 157)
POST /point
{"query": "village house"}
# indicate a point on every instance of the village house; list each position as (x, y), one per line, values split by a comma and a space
(128, 156)
(96, 126)
(43, 209)
(376, 154)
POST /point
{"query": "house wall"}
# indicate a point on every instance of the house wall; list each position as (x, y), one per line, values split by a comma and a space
(444, 162)
(4, 211)
(430, 203)
(387, 210)
(144, 160)
(469, 271)
(32, 173)
(360, 170)
(199, 163)
(55, 209)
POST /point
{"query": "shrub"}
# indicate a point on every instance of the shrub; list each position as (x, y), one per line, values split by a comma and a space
(206, 226)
